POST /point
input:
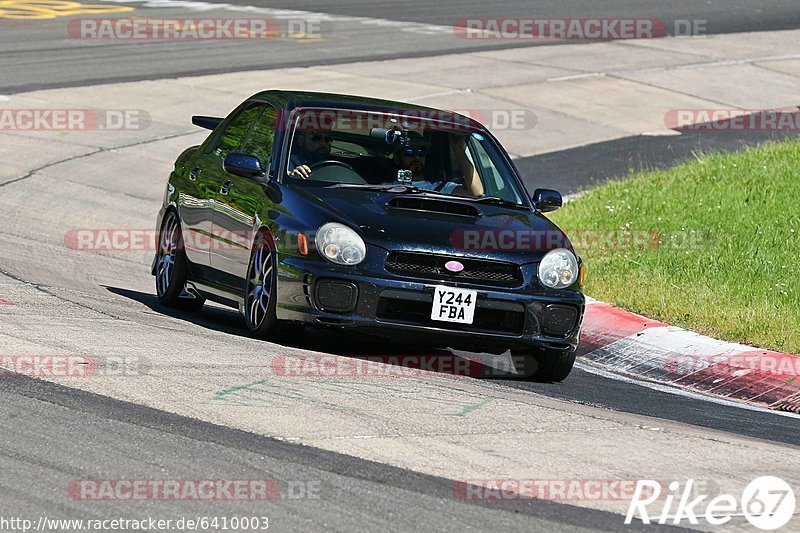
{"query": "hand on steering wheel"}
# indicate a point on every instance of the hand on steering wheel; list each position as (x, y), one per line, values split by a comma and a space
(300, 171)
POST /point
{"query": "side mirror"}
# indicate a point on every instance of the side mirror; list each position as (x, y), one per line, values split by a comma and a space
(244, 165)
(546, 200)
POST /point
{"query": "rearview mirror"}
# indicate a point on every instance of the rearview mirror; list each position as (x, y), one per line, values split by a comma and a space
(244, 165)
(546, 200)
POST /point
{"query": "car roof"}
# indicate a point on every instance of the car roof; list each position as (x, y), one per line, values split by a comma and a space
(293, 99)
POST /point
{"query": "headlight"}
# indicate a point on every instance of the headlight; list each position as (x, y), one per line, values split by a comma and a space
(338, 243)
(558, 269)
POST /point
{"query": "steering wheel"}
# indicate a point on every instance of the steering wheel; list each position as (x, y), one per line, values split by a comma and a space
(330, 162)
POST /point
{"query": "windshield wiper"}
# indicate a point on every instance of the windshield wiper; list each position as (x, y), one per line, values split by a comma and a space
(402, 188)
(496, 200)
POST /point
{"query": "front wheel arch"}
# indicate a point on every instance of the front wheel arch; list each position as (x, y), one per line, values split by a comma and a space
(270, 329)
(260, 287)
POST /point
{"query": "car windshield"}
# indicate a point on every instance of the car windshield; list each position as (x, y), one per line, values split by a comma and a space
(439, 154)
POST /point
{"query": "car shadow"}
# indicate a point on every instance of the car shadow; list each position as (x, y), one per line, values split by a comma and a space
(389, 350)
(213, 317)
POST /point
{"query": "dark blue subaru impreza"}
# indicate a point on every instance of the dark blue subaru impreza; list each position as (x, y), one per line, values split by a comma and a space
(362, 214)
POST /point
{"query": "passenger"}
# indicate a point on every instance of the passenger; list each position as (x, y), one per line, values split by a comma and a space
(414, 158)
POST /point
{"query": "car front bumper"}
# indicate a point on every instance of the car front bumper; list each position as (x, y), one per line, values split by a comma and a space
(369, 299)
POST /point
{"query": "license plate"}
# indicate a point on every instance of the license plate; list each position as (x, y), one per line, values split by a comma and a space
(453, 305)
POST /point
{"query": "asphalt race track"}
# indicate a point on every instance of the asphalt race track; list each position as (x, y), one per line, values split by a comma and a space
(350, 490)
(43, 54)
(359, 454)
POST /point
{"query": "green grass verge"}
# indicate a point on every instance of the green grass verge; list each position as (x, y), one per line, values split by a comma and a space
(726, 261)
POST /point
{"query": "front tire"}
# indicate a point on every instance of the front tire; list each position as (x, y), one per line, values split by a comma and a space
(260, 296)
(260, 293)
(172, 268)
(549, 366)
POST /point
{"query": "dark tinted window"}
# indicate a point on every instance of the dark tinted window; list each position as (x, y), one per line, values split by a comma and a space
(232, 138)
(442, 154)
(262, 138)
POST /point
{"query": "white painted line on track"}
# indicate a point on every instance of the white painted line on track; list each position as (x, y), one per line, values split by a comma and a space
(191, 5)
(690, 66)
(661, 133)
(443, 93)
(744, 61)
(591, 369)
(579, 76)
(574, 196)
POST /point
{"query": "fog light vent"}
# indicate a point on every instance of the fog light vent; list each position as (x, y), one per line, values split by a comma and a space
(335, 296)
(559, 320)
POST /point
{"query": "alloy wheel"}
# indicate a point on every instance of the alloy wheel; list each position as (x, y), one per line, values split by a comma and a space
(259, 286)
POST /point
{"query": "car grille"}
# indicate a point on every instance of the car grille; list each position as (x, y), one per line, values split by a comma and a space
(431, 266)
(418, 313)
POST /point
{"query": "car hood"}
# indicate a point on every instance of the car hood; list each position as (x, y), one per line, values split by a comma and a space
(498, 232)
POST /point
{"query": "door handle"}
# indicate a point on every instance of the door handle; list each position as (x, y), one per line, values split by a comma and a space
(226, 187)
(194, 174)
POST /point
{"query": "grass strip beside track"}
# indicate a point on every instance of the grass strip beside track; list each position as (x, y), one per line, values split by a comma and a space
(711, 245)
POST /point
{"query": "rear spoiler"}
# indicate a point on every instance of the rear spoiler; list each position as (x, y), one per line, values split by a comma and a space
(208, 123)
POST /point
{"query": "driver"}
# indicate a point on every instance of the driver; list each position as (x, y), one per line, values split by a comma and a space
(414, 157)
(312, 146)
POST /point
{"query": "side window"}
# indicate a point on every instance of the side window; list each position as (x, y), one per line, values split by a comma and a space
(494, 183)
(232, 138)
(262, 138)
(485, 166)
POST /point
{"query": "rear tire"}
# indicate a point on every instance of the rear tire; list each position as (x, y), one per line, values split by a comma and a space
(543, 365)
(172, 268)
